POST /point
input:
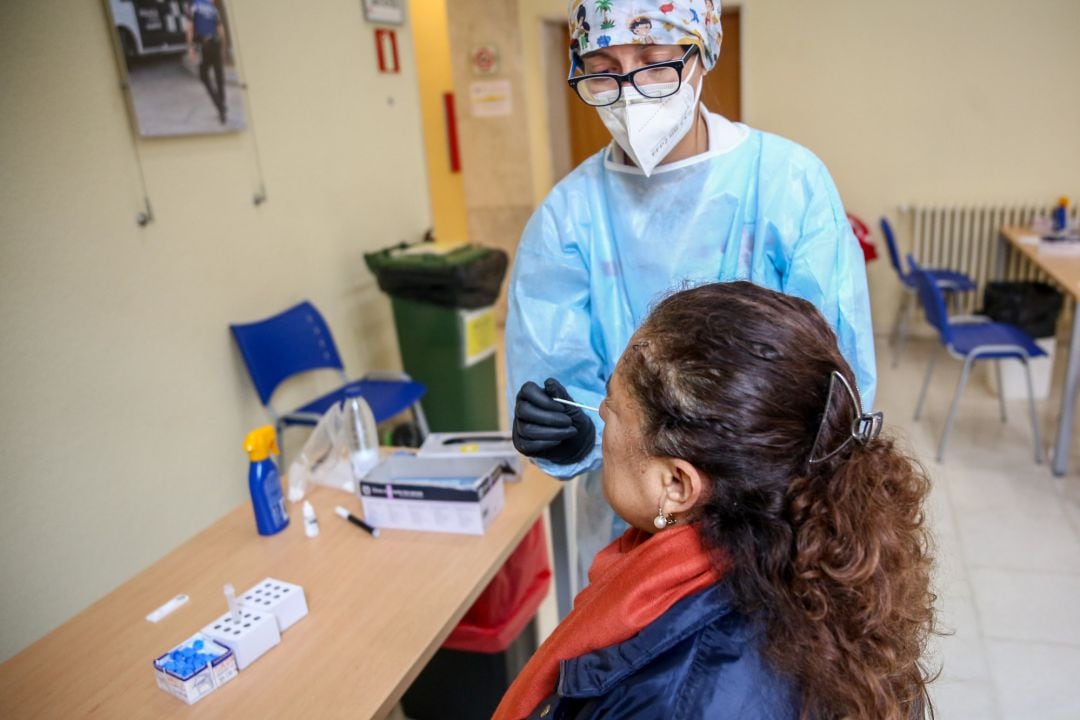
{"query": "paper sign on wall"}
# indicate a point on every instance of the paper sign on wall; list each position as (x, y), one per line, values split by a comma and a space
(391, 12)
(491, 98)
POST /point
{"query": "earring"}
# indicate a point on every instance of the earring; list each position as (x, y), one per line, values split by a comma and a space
(662, 521)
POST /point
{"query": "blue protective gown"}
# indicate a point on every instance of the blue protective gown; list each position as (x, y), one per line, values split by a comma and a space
(608, 243)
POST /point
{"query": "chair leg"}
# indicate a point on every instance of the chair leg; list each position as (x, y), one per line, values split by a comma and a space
(1034, 415)
(968, 363)
(903, 318)
(1001, 391)
(895, 332)
(279, 428)
(925, 384)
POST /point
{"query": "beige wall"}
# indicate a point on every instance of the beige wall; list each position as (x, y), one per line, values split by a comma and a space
(435, 77)
(928, 101)
(539, 64)
(495, 150)
(124, 401)
(970, 101)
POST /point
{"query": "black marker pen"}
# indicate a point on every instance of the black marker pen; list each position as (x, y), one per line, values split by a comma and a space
(342, 512)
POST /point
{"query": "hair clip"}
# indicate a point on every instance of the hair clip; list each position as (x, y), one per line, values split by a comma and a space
(864, 428)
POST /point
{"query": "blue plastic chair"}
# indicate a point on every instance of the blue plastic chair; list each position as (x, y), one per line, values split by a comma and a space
(298, 341)
(949, 281)
(972, 339)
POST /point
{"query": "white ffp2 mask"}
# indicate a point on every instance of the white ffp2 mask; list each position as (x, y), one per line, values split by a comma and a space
(648, 128)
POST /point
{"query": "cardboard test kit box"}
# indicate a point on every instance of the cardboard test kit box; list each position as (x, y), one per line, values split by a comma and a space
(411, 493)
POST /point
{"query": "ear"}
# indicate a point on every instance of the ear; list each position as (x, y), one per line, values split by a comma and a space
(684, 486)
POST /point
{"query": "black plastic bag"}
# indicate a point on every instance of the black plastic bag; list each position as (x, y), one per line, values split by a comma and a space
(468, 277)
(1031, 306)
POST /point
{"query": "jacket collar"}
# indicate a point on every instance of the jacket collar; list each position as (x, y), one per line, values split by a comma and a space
(595, 673)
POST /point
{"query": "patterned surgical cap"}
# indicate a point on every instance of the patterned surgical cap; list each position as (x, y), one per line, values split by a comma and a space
(596, 24)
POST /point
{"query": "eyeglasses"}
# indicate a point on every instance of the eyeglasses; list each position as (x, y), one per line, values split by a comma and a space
(658, 80)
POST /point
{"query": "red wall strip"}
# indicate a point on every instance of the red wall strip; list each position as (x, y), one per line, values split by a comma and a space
(451, 132)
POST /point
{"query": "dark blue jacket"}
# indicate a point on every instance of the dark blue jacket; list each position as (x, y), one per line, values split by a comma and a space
(700, 659)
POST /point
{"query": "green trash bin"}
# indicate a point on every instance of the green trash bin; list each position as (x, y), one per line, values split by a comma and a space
(443, 304)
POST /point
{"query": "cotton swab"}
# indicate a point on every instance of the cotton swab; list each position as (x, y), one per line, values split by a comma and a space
(576, 404)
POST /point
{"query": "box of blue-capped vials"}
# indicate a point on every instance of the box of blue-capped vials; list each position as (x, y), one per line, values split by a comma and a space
(195, 668)
(460, 495)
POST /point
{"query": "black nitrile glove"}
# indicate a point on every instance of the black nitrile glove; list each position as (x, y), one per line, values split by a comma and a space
(550, 430)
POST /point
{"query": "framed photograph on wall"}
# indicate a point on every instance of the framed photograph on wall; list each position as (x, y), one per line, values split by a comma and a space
(386, 12)
(179, 64)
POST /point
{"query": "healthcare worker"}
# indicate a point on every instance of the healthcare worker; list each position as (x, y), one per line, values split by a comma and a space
(681, 197)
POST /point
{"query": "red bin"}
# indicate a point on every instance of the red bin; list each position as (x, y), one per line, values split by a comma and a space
(862, 234)
(469, 674)
(509, 601)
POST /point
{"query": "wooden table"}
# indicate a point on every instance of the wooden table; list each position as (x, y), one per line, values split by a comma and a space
(378, 610)
(1065, 270)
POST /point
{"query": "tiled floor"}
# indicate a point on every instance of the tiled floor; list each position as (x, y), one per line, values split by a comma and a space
(1008, 547)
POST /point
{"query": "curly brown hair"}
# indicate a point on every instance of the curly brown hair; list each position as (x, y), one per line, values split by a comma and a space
(833, 557)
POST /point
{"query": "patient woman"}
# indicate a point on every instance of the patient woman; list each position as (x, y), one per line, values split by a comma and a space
(776, 565)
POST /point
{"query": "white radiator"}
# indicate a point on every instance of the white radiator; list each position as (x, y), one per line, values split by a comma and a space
(967, 239)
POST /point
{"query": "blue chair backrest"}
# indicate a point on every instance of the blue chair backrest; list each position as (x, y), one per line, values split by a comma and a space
(933, 301)
(894, 252)
(296, 341)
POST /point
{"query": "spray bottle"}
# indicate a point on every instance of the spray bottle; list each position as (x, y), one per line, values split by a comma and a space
(264, 481)
(1061, 214)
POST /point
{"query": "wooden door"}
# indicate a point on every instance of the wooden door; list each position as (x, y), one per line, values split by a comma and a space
(721, 93)
(722, 90)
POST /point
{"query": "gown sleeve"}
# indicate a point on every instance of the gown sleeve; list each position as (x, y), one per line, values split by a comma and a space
(827, 268)
(549, 325)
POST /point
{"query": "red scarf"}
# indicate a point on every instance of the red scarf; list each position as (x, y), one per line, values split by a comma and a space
(632, 582)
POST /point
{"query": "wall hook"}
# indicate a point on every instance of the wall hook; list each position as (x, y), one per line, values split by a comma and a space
(147, 216)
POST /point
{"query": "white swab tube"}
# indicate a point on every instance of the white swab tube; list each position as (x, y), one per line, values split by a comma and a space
(230, 597)
(576, 404)
(167, 608)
